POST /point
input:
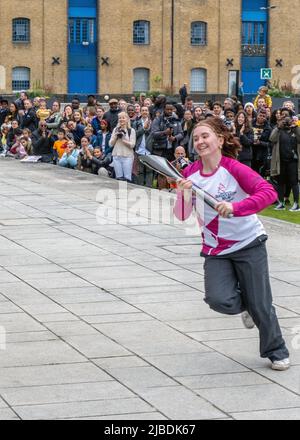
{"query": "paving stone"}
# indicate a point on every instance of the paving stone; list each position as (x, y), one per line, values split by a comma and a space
(117, 318)
(24, 323)
(38, 395)
(135, 416)
(71, 328)
(8, 307)
(161, 297)
(282, 288)
(154, 290)
(30, 337)
(194, 364)
(77, 373)
(139, 378)
(123, 362)
(97, 346)
(138, 282)
(38, 353)
(101, 308)
(178, 403)
(280, 414)
(56, 317)
(222, 380)
(208, 324)
(289, 379)
(2, 403)
(82, 409)
(8, 414)
(150, 337)
(253, 398)
(170, 311)
(224, 334)
(244, 351)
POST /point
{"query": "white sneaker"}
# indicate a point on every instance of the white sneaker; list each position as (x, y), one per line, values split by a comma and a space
(295, 208)
(282, 365)
(280, 207)
(247, 320)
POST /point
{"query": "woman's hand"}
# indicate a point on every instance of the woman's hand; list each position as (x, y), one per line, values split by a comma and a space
(224, 209)
(185, 186)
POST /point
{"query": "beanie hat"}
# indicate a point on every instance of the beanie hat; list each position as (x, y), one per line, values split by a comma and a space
(249, 104)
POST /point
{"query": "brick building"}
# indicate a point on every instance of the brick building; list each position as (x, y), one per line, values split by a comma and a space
(121, 46)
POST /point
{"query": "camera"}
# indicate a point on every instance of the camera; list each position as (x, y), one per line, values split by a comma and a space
(169, 124)
(120, 133)
(181, 162)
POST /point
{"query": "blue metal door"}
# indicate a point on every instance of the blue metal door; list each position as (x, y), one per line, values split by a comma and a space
(254, 43)
(82, 55)
(254, 54)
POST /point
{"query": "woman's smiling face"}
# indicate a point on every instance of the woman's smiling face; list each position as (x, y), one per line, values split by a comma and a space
(206, 142)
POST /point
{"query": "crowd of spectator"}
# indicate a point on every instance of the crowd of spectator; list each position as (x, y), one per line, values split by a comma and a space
(109, 142)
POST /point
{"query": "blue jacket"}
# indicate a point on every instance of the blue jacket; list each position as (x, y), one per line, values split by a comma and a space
(96, 125)
(69, 161)
(108, 149)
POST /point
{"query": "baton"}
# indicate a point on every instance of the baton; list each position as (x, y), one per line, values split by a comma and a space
(162, 166)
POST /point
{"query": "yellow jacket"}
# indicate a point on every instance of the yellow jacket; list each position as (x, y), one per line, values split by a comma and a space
(267, 98)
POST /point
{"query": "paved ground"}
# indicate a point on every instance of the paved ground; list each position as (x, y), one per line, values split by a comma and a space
(107, 321)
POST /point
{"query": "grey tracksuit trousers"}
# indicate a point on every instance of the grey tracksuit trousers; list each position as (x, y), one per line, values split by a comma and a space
(240, 281)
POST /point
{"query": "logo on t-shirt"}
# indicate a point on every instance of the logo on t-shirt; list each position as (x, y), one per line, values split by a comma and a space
(225, 196)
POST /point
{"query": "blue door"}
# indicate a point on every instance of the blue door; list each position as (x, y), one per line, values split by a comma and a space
(82, 76)
(254, 54)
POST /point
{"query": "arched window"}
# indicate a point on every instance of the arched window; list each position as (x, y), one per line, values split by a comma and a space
(141, 81)
(199, 33)
(141, 32)
(198, 80)
(21, 30)
(20, 79)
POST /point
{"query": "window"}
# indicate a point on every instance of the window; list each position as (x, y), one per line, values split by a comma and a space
(20, 79)
(81, 30)
(141, 32)
(254, 38)
(199, 33)
(141, 80)
(198, 80)
(21, 30)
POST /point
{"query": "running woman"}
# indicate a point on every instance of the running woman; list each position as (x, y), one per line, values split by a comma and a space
(236, 262)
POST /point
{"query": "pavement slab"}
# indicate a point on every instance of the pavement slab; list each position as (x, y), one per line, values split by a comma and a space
(105, 320)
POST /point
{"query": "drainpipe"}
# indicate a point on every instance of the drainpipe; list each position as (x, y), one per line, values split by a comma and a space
(172, 40)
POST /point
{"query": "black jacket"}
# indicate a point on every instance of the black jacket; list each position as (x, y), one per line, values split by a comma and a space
(159, 125)
(112, 116)
(140, 133)
(29, 120)
(263, 148)
(246, 140)
(43, 146)
(3, 113)
(11, 136)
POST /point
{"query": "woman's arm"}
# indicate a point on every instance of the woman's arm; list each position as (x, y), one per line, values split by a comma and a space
(274, 137)
(132, 140)
(113, 139)
(56, 123)
(261, 193)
